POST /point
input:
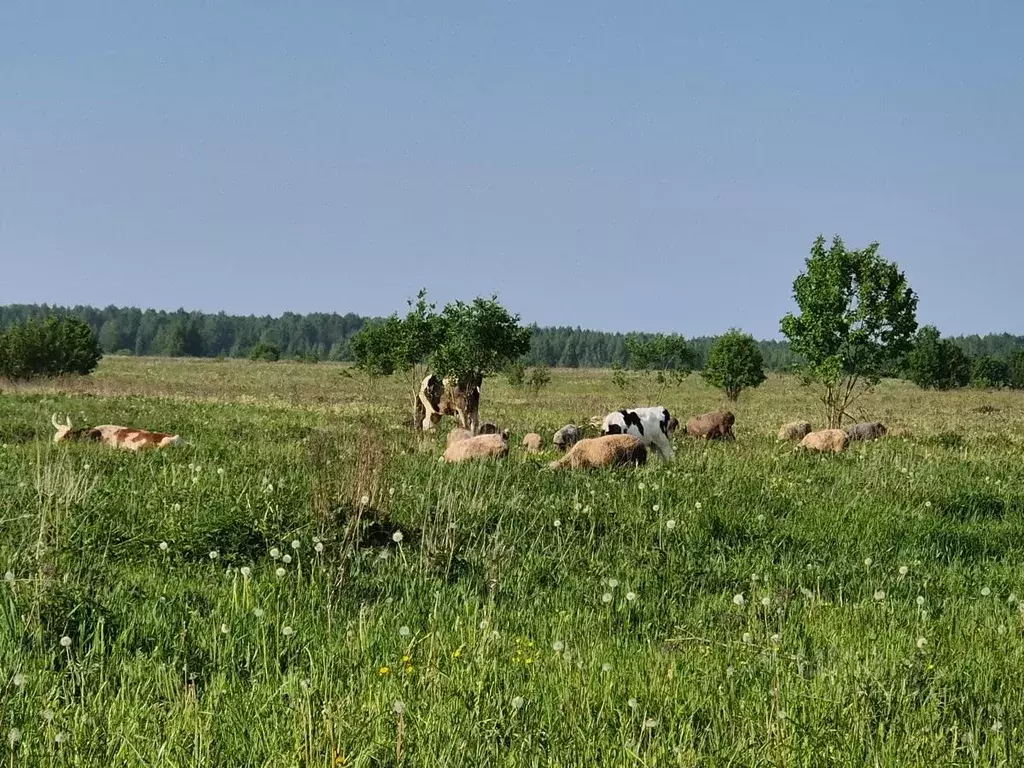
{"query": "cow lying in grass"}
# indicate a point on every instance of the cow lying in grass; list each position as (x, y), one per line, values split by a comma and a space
(648, 425)
(110, 434)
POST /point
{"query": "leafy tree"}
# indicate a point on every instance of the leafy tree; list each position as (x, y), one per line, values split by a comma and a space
(663, 355)
(857, 317)
(57, 346)
(988, 372)
(734, 363)
(1015, 367)
(937, 363)
(266, 352)
(479, 338)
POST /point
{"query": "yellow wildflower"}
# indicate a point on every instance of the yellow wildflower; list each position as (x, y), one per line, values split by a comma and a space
(458, 653)
(384, 671)
(409, 668)
(406, 659)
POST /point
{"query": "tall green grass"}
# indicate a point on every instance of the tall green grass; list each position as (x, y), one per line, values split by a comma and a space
(743, 605)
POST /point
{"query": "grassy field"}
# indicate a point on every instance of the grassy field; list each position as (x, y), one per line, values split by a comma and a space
(305, 585)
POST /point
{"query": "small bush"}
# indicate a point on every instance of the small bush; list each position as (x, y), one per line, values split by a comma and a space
(516, 374)
(989, 372)
(734, 363)
(55, 347)
(266, 352)
(539, 378)
(1016, 369)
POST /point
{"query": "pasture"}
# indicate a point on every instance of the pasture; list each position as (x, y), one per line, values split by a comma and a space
(305, 585)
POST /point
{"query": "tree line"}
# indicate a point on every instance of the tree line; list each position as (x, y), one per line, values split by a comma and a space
(328, 336)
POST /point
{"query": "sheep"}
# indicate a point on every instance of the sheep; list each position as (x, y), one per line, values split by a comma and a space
(458, 434)
(825, 441)
(866, 431)
(533, 442)
(795, 430)
(604, 451)
(716, 425)
(488, 428)
(477, 447)
(649, 425)
(566, 437)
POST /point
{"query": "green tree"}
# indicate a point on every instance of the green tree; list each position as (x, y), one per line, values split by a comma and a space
(55, 347)
(857, 316)
(265, 351)
(734, 363)
(1015, 368)
(988, 372)
(937, 363)
(539, 378)
(667, 356)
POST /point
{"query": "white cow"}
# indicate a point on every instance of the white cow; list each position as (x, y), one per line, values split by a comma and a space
(648, 425)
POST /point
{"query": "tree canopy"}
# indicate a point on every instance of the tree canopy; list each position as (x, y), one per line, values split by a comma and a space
(734, 364)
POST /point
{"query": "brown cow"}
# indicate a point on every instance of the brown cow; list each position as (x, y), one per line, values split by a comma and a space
(716, 425)
(447, 397)
(115, 436)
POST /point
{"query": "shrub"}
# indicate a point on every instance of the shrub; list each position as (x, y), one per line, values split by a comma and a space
(1016, 369)
(539, 378)
(937, 363)
(55, 347)
(516, 374)
(734, 363)
(988, 372)
(266, 352)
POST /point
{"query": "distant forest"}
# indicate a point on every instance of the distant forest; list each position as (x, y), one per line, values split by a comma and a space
(131, 331)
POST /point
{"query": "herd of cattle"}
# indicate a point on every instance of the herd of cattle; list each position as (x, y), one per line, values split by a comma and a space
(624, 440)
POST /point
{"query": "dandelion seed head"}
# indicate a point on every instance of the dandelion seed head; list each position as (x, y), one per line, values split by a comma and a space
(14, 736)
(280, 572)
(776, 639)
(398, 707)
(613, 583)
(747, 638)
(287, 631)
(220, 471)
(257, 612)
(997, 726)
(518, 702)
(766, 601)
(921, 643)
(606, 598)
(650, 723)
(65, 642)
(275, 553)
(904, 570)
(397, 537)
(364, 500)
(868, 561)
(880, 594)
(630, 596)
(985, 591)
(558, 523)
(739, 600)
(164, 546)
(920, 600)
(318, 547)
(670, 524)
(224, 629)
(483, 624)
(19, 680)
(632, 704)
(246, 571)
(404, 631)
(214, 554)
(296, 544)
(61, 737)
(606, 667)
(286, 559)
(558, 646)
(48, 715)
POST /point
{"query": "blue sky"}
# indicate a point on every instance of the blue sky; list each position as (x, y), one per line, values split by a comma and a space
(661, 166)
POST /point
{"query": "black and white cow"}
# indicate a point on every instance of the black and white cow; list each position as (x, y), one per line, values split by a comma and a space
(649, 425)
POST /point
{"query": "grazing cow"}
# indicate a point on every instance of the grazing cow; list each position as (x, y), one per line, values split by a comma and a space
(477, 447)
(566, 437)
(533, 442)
(605, 451)
(795, 430)
(649, 425)
(870, 430)
(673, 425)
(458, 434)
(448, 397)
(716, 425)
(116, 437)
(825, 441)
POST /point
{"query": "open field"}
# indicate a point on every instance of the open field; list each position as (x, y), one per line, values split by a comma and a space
(878, 625)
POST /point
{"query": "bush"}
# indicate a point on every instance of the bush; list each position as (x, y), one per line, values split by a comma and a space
(266, 352)
(937, 363)
(734, 363)
(989, 372)
(516, 374)
(55, 347)
(539, 378)
(1016, 369)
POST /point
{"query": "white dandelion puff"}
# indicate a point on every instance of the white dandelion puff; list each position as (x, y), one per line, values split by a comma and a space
(404, 631)
(606, 598)
(296, 544)
(739, 600)
(920, 600)
(14, 736)
(558, 523)
(766, 601)
(257, 612)
(630, 596)
(650, 723)
(880, 595)
(483, 624)
(65, 642)
(657, 508)
(921, 643)
(224, 629)
(868, 561)
(20, 680)
(61, 737)
(398, 707)
(606, 667)
(214, 554)
(670, 525)
(558, 646)
(318, 547)
(776, 639)
(613, 583)
(286, 559)
(280, 572)
(287, 631)
(518, 702)
(364, 500)
(164, 546)
(9, 576)
(275, 553)
(397, 537)
(985, 591)
(747, 638)
(246, 571)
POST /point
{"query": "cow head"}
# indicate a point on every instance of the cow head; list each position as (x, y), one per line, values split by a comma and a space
(63, 430)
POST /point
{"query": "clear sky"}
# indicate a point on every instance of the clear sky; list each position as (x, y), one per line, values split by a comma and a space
(659, 166)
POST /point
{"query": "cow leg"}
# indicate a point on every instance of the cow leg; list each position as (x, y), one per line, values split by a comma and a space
(662, 445)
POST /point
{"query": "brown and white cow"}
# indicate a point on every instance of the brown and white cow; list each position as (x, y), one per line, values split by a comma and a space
(449, 397)
(110, 434)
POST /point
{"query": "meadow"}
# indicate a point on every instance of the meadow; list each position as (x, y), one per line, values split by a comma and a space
(304, 584)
